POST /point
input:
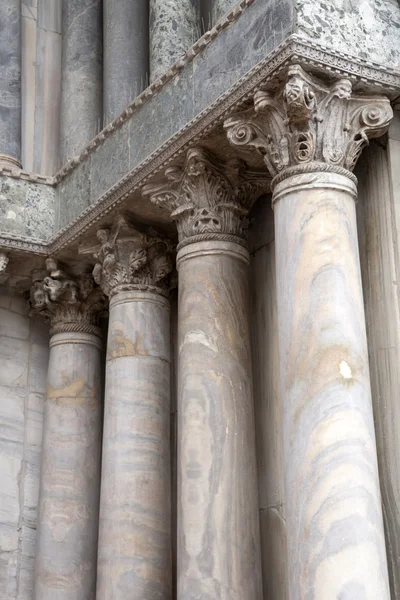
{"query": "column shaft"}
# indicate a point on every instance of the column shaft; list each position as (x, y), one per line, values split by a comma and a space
(10, 82)
(81, 87)
(126, 53)
(218, 527)
(334, 522)
(135, 516)
(174, 27)
(70, 472)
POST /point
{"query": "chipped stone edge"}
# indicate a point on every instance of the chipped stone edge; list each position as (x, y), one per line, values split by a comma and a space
(294, 49)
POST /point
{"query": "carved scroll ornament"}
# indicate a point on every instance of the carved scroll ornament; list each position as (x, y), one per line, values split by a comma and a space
(128, 259)
(73, 304)
(309, 122)
(208, 198)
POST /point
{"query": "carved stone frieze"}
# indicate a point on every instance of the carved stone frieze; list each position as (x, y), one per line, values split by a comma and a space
(208, 198)
(308, 122)
(73, 304)
(129, 259)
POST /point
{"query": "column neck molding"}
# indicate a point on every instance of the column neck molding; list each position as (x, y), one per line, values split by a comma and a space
(312, 180)
(308, 123)
(212, 248)
(208, 198)
(73, 304)
(129, 260)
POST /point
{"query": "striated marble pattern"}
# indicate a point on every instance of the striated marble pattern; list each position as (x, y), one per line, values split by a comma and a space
(134, 558)
(174, 27)
(218, 526)
(268, 408)
(82, 75)
(378, 216)
(23, 369)
(126, 53)
(336, 545)
(10, 78)
(70, 470)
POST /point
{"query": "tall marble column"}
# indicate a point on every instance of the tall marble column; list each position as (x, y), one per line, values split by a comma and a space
(134, 556)
(218, 525)
(66, 548)
(126, 53)
(10, 83)
(174, 28)
(82, 75)
(311, 135)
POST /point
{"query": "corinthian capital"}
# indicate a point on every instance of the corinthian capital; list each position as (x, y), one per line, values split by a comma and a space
(307, 121)
(73, 304)
(208, 198)
(128, 259)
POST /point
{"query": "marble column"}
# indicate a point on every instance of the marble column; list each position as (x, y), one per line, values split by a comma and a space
(312, 135)
(174, 28)
(134, 556)
(10, 83)
(66, 548)
(126, 53)
(81, 79)
(218, 524)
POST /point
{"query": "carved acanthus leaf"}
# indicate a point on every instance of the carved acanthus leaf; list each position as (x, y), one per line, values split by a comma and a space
(71, 303)
(307, 121)
(3, 261)
(130, 259)
(208, 197)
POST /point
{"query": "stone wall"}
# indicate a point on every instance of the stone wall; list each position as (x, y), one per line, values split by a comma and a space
(23, 372)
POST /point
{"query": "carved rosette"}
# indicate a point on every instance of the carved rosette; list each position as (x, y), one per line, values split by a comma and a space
(73, 304)
(130, 260)
(309, 125)
(209, 199)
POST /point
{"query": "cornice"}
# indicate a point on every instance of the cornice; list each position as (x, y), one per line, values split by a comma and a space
(23, 244)
(310, 55)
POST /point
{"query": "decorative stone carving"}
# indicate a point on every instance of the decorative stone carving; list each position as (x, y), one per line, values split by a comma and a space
(208, 198)
(73, 304)
(309, 122)
(129, 259)
(3, 261)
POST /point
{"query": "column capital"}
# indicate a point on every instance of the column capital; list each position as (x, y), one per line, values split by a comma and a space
(73, 304)
(128, 259)
(308, 125)
(208, 198)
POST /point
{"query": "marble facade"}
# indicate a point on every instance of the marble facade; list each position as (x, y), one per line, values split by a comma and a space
(198, 300)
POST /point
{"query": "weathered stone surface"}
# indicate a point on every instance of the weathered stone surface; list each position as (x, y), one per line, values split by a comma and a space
(174, 27)
(336, 544)
(126, 53)
(202, 81)
(378, 219)
(218, 525)
(70, 470)
(23, 368)
(26, 208)
(268, 408)
(369, 29)
(220, 7)
(81, 96)
(10, 79)
(135, 516)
